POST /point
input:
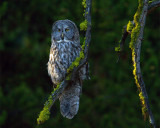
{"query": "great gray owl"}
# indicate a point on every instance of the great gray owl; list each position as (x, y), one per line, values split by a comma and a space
(65, 47)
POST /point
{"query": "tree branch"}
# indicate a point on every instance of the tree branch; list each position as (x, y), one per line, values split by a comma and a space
(136, 60)
(122, 41)
(153, 6)
(87, 40)
(44, 114)
(125, 34)
(138, 28)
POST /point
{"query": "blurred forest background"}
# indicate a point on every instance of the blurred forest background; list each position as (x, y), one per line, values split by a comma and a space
(110, 99)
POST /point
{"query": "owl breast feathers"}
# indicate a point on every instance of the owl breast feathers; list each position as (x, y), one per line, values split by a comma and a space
(64, 49)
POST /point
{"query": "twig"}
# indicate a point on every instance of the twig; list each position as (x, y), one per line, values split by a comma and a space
(122, 41)
(153, 6)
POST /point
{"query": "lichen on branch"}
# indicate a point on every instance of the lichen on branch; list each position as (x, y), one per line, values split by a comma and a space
(84, 4)
(83, 25)
(118, 48)
(135, 31)
(136, 28)
(45, 113)
(78, 59)
(130, 26)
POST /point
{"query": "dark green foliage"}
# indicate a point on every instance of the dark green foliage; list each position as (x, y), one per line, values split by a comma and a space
(110, 99)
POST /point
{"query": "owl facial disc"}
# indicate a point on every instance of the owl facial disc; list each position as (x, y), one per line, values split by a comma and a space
(64, 31)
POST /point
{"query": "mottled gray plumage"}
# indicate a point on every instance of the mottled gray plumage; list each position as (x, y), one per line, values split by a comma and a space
(65, 48)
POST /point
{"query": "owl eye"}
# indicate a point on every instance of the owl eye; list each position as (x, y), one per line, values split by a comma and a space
(59, 30)
(66, 29)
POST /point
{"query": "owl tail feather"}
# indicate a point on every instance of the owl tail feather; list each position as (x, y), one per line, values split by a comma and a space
(69, 100)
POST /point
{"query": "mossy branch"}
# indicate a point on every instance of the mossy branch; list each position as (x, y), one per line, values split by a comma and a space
(135, 45)
(152, 5)
(45, 113)
(75, 66)
(135, 29)
(87, 37)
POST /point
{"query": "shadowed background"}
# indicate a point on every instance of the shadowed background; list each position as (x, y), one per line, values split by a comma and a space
(110, 99)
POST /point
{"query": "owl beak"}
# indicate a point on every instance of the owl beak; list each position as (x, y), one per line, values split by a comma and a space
(62, 36)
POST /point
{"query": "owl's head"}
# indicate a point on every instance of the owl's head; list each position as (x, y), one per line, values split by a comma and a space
(64, 31)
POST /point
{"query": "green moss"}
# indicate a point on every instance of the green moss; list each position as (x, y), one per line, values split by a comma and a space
(83, 45)
(142, 98)
(117, 49)
(84, 3)
(56, 87)
(134, 36)
(136, 29)
(78, 59)
(150, 1)
(83, 25)
(130, 26)
(45, 113)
